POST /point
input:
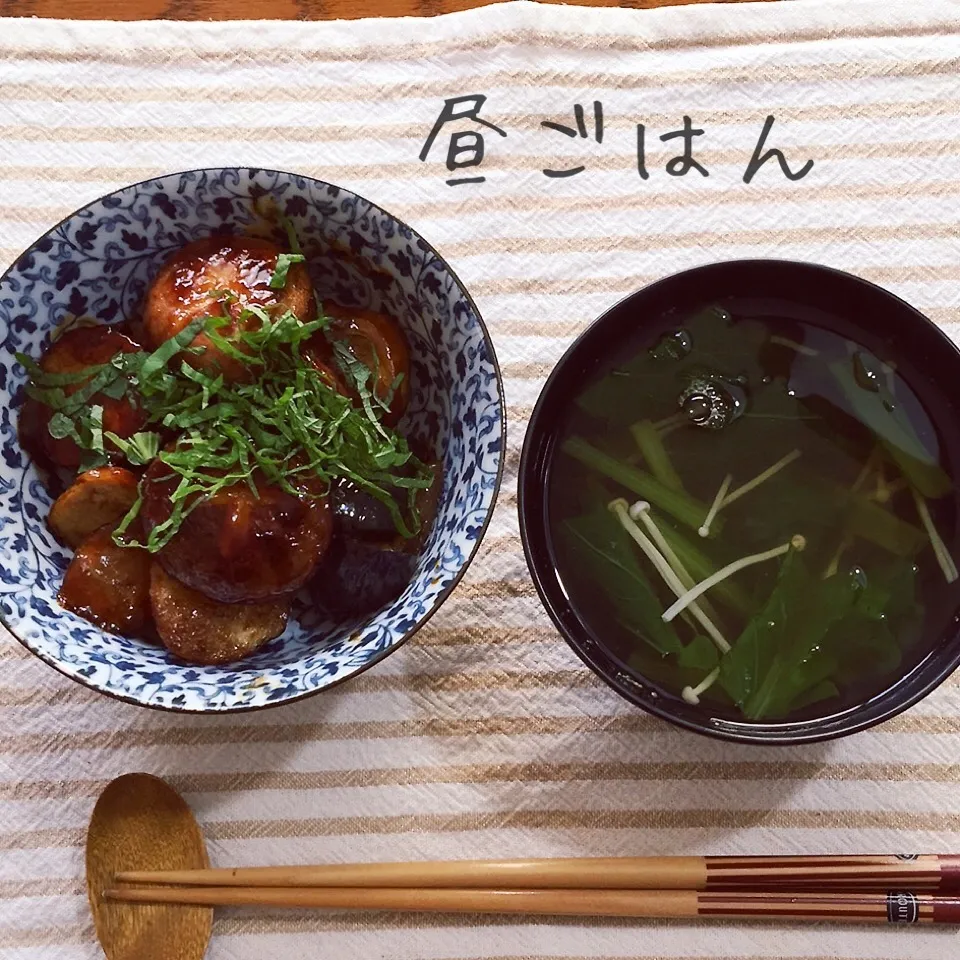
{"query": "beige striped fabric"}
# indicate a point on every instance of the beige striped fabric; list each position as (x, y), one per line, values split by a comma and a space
(485, 736)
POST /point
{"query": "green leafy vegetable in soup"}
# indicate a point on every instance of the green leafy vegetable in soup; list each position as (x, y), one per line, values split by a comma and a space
(754, 513)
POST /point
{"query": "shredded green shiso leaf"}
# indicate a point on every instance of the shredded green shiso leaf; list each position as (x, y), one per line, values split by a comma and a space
(285, 423)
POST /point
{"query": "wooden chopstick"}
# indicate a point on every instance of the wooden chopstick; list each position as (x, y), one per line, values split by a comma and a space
(929, 872)
(863, 907)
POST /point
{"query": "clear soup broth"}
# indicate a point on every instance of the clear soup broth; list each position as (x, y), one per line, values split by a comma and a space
(753, 513)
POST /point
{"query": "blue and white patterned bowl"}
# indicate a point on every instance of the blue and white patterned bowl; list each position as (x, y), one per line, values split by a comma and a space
(98, 262)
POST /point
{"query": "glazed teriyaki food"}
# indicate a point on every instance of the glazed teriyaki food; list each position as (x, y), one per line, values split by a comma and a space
(235, 443)
(753, 514)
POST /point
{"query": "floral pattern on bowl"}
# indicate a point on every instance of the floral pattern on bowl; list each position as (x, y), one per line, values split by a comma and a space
(98, 262)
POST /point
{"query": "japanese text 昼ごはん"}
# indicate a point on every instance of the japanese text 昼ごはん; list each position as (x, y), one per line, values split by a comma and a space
(466, 147)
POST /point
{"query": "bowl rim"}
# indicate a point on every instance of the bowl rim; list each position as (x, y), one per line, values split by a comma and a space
(441, 597)
(535, 441)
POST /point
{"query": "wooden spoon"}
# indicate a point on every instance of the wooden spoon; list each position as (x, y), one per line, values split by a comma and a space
(140, 823)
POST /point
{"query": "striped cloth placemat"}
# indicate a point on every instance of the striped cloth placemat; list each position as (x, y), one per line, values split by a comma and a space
(485, 736)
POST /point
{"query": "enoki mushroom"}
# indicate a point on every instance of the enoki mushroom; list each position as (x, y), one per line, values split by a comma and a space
(620, 509)
(797, 542)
